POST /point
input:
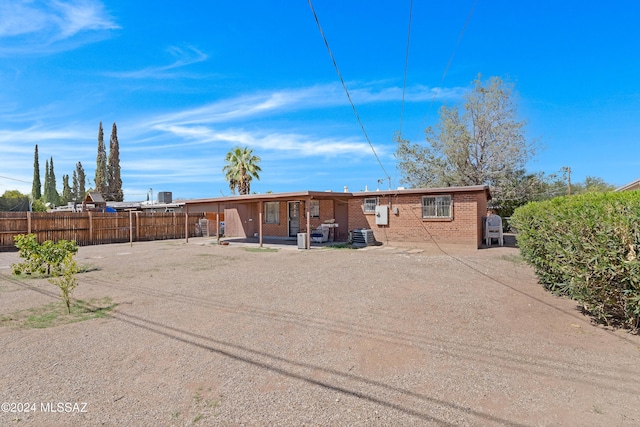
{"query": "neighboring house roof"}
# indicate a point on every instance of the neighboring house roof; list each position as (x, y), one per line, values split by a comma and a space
(634, 185)
(94, 197)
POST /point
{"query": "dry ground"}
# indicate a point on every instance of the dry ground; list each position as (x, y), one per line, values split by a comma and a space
(211, 335)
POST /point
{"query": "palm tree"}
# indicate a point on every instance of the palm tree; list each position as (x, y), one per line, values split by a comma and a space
(242, 167)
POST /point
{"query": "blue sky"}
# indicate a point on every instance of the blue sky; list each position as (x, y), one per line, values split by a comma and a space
(185, 82)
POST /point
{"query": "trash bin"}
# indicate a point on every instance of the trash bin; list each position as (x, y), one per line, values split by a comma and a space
(302, 240)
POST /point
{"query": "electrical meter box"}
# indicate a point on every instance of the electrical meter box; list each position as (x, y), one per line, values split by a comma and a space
(382, 215)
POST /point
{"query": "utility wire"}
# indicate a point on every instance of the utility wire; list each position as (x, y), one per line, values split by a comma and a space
(453, 54)
(344, 86)
(14, 179)
(406, 64)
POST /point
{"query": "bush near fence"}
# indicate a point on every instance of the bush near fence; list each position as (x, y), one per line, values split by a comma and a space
(95, 228)
(587, 247)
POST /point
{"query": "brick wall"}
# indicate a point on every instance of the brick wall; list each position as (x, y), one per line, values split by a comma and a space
(408, 226)
(282, 228)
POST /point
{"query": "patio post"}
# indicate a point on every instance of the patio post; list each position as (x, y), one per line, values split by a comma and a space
(261, 209)
(307, 208)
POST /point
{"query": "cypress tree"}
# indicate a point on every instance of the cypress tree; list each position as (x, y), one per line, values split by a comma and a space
(74, 187)
(66, 190)
(101, 165)
(36, 187)
(47, 182)
(82, 191)
(114, 180)
(54, 197)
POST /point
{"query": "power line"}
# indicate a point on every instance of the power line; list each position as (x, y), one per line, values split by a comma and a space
(14, 179)
(453, 54)
(344, 86)
(406, 63)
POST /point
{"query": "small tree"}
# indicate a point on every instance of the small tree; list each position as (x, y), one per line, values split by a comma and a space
(45, 258)
(49, 259)
(66, 280)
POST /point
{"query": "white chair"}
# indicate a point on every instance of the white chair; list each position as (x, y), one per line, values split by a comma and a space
(493, 229)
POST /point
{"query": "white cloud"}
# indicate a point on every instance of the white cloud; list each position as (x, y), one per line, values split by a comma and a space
(320, 96)
(17, 17)
(35, 135)
(40, 27)
(184, 56)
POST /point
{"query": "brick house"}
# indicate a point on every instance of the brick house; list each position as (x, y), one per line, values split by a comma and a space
(444, 215)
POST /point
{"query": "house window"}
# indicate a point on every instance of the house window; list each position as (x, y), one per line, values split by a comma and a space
(436, 206)
(314, 209)
(272, 213)
(370, 205)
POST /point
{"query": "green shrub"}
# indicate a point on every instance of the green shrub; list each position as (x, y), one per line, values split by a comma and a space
(50, 259)
(46, 259)
(587, 247)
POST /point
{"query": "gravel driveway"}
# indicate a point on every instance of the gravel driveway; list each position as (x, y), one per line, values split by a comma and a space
(213, 335)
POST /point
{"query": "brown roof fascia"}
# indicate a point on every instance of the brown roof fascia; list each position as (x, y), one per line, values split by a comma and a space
(439, 190)
(250, 198)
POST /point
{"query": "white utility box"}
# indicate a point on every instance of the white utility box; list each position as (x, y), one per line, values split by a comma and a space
(382, 215)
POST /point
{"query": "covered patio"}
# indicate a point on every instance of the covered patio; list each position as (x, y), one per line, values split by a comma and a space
(278, 217)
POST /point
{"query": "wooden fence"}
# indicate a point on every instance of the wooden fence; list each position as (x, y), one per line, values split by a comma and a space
(93, 228)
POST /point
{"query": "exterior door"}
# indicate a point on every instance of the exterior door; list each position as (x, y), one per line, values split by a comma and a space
(294, 218)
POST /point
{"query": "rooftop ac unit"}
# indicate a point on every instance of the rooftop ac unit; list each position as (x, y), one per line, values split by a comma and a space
(165, 197)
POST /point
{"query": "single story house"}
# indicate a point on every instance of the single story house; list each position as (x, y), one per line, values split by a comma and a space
(421, 215)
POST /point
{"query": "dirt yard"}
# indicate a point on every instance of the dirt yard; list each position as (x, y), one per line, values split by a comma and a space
(212, 335)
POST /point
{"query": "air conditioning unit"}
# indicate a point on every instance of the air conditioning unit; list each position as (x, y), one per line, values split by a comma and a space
(165, 197)
(363, 237)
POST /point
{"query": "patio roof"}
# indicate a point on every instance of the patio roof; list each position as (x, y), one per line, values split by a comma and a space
(251, 198)
(331, 195)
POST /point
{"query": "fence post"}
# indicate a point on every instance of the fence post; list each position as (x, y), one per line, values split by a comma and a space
(28, 222)
(90, 228)
(137, 227)
(186, 227)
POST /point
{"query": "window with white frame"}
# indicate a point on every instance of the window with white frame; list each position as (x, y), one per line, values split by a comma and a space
(370, 204)
(436, 206)
(272, 213)
(314, 209)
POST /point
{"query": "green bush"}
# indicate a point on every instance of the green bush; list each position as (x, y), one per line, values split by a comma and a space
(587, 247)
(46, 259)
(50, 259)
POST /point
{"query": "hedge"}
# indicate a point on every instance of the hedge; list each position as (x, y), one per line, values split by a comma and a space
(587, 247)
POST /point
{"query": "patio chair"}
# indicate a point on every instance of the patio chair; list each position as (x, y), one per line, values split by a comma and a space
(320, 235)
(493, 229)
